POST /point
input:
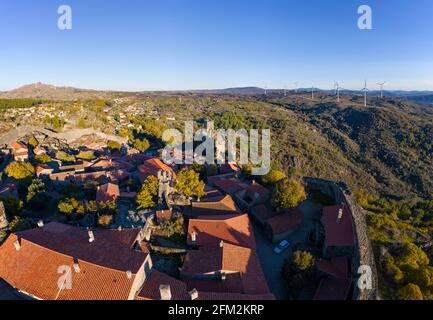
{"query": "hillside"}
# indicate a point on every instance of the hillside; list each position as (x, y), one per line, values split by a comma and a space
(49, 92)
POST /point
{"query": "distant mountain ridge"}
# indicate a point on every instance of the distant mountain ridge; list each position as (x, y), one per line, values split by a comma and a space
(46, 91)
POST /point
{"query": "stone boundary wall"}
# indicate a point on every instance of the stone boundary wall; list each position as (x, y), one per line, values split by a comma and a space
(68, 136)
(363, 251)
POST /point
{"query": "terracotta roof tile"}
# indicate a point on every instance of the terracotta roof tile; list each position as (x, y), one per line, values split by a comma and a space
(150, 167)
(338, 234)
(210, 230)
(107, 192)
(214, 206)
(282, 223)
(34, 269)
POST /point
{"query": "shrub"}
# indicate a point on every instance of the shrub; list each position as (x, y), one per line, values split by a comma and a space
(410, 292)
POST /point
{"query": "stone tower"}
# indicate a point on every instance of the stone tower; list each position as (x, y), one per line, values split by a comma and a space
(165, 179)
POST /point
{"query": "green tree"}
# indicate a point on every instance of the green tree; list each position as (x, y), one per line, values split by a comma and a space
(20, 170)
(36, 187)
(13, 205)
(141, 145)
(113, 146)
(288, 194)
(149, 191)
(43, 159)
(410, 292)
(65, 157)
(33, 142)
(86, 155)
(66, 207)
(301, 261)
(188, 183)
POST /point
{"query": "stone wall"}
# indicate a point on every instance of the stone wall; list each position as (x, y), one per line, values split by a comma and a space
(363, 250)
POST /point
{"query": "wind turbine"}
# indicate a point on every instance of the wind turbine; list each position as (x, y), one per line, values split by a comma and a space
(312, 91)
(338, 91)
(335, 86)
(296, 86)
(285, 91)
(381, 89)
(266, 90)
(365, 89)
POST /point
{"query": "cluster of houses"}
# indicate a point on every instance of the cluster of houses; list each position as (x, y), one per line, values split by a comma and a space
(62, 262)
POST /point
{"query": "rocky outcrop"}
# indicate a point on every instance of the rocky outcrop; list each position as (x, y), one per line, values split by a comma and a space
(68, 136)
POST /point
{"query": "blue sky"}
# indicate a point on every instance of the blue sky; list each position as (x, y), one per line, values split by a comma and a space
(204, 44)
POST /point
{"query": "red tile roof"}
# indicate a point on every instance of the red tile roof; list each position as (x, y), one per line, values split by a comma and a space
(232, 283)
(230, 186)
(338, 234)
(214, 206)
(34, 269)
(18, 145)
(282, 223)
(150, 290)
(107, 192)
(150, 167)
(227, 296)
(163, 215)
(210, 230)
(337, 267)
(229, 258)
(263, 212)
(333, 289)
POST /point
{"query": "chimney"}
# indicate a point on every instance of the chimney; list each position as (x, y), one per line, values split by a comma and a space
(165, 292)
(40, 223)
(194, 236)
(17, 245)
(340, 216)
(91, 236)
(77, 267)
(129, 274)
(193, 294)
(221, 244)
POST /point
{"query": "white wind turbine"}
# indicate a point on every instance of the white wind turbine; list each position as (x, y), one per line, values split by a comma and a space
(312, 91)
(338, 88)
(335, 86)
(365, 89)
(285, 90)
(381, 89)
(296, 86)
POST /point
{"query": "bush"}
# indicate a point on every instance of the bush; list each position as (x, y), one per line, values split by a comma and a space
(273, 177)
(410, 292)
(105, 220)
